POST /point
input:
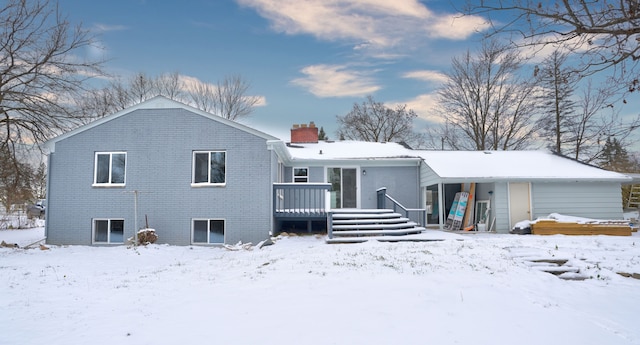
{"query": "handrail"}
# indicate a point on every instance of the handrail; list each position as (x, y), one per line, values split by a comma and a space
(300, 199)
(383, 197)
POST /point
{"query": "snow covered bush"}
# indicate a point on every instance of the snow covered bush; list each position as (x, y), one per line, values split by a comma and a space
(146, 236)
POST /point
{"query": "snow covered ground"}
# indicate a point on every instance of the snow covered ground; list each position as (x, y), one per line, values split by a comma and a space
(483, 289)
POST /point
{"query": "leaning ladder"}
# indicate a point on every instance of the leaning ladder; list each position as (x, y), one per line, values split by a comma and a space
(458, 208)
(634, 197)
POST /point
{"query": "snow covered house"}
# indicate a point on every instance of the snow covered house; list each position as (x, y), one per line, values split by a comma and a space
(197, 178)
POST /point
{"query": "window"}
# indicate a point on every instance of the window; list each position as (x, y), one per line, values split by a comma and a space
(110, 169)
(301, 175)
(208, 231)
(108, 231)
(209, 168)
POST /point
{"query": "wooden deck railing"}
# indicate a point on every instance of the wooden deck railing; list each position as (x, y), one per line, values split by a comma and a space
(301, 200)
(416, 214)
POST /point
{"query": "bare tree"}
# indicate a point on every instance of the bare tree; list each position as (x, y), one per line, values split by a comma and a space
(231, 100)
(15, 180)
(604, 32)
(202, 96)
(596, 119)
(373, 121)
(141, 88)
(39, 183)
(483, 104)
(557, 83)
(576, 125)
(39, 74)
(228, 98)
(169, 85)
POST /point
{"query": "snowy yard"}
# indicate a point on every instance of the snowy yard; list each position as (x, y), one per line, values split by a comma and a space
(483, 289)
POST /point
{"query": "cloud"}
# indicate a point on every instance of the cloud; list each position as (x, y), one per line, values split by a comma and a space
(536, 49)
(380, 24)
(101, 28)
(335, 81)
(423, 105)
(426, 75)
(98, 50)
(456, 27)
(262, 101)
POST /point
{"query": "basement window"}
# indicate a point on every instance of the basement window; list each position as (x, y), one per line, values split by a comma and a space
(108, 231)
(207, 231)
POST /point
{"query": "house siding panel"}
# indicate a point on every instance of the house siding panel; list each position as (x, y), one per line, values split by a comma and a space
(600, 200)
(401, 183)
(159, 145)
(427, 176)
(500, 205)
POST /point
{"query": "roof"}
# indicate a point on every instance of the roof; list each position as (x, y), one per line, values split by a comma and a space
(158, 102)
(457, 165)
(349, 150)
(513, 165)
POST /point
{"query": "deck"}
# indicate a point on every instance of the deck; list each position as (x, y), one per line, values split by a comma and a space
(307, 207)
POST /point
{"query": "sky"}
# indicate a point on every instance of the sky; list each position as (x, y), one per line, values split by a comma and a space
(306, 60)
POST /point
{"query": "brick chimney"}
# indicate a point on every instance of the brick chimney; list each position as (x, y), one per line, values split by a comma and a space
(303, 134)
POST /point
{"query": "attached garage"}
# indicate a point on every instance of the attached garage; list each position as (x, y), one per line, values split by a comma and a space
(518, 185)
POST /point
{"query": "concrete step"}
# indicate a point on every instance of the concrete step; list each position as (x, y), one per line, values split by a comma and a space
(361, 210)
(361, 215)
(404, 225)
(371, 221)
(389, 232)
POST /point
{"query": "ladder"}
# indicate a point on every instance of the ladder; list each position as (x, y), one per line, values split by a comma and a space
(634, 197)
(456, 215)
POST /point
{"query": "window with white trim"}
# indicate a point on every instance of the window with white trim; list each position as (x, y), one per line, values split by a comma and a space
(300, 175)
(207, 231)
(209, 168)
(108, 231)
(110, 169)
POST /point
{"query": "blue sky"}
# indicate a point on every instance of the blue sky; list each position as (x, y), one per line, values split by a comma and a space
(308, 60)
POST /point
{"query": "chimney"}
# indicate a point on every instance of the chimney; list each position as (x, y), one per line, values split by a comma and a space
(303, 134)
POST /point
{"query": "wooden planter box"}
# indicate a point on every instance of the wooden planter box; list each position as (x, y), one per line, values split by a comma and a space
(552, 227)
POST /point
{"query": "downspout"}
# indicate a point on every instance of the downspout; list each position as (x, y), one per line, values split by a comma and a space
(441, 205)
(272, 194)
(48, 197)
(421, 203)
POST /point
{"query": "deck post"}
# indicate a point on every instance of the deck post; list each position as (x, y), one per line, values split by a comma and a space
(382, 197)
(327, 209)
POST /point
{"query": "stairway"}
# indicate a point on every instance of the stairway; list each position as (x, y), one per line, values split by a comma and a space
(361, 225)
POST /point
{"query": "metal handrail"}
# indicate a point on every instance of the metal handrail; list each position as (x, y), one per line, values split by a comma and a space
(383, 197)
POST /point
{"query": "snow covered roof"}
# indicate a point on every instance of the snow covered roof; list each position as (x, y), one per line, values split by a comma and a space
(504, 165)
(350, 150)
(459, 165)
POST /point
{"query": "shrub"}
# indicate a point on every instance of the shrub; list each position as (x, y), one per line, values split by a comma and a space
(146, 236)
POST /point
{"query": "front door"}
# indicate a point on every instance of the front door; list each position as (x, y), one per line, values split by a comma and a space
(519, 202)
(344, 187)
